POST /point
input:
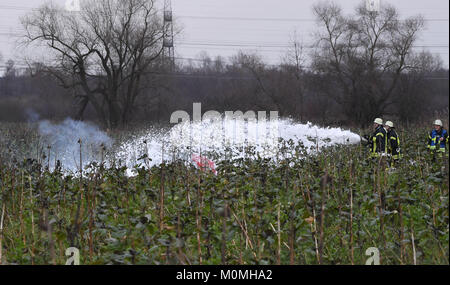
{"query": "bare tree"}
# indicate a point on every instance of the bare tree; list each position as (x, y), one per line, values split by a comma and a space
(364, 55)
(10, 70)
(267, 81)
(294, 63)
(9, 75)
(415, 90)
(104, 51)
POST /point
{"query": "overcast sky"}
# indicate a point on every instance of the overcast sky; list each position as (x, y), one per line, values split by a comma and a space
(221, 27)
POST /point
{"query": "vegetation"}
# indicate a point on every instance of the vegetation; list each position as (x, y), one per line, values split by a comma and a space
(107, 66)
(326, 208)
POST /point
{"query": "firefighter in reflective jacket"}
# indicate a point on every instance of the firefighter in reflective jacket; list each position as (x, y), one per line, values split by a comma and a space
(438, 139)
(378, 140)
(393, 146)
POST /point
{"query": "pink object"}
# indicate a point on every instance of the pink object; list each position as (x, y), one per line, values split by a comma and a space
(204, 163)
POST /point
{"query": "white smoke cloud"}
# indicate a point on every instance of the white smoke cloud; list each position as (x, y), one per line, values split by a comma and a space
(63, 141)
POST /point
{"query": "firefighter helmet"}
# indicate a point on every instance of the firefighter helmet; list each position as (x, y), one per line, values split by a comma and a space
(378, 121)
(438, 123)
(390, 124)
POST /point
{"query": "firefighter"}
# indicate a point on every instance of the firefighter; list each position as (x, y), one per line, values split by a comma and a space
(378, 140)
(393, 145)
(437, 139)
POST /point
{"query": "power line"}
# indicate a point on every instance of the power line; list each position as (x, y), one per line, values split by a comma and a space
(269, 47)
(23, 8)
(276, 19)
(242, 44)
(247, 19)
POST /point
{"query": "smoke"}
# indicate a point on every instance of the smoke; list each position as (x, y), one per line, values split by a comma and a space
(32, 116)
(63, 141)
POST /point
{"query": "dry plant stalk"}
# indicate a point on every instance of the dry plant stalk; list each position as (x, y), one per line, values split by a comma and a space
(22, 229)
(321, 235)
(351, 215)
(51, 242)
(244, 230)
(313, 224)
(401, 237)
(351, 227)
(91, 206)
(161, 201)
(1, 232)
(198, 222)
(413, 247)
(279, 236)
(314, 229)
(292, 227)
(381, 204)
(32, 223)
(224, 234)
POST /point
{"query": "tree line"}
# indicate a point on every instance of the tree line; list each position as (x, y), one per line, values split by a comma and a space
(107, 66)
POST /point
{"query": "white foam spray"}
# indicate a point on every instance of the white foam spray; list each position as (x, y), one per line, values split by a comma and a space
(225, 137)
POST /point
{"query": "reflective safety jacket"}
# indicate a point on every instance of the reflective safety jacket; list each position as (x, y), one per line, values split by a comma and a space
(378, 142)
(434, 140)
(394, 144)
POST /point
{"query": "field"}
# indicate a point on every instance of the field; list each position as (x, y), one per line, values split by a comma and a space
(327, 208)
